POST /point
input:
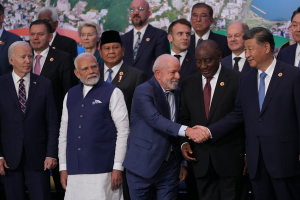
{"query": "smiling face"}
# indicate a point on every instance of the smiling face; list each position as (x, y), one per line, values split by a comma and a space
(22, 60)
(89, 37)
(201, 20)
(180, 38)
(39, 37)
(296, 28)
(235, 38)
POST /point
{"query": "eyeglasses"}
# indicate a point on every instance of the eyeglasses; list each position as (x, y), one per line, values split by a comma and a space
(139, 9)
(202, 17)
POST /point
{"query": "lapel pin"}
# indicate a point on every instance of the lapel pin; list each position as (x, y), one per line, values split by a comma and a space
(34, 82)
(187, 60)
(120, 77)
(2, 43)
(53, 47)
(222, 83)
(148, 39)
(51, 59)
(280, 74)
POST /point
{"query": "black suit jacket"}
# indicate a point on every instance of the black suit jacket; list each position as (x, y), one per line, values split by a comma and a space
(227, 62)
(287, 55)
(226, 154)
(131, 78)
(188, 67)
(59, 69)
(65, 44)
(221, 40)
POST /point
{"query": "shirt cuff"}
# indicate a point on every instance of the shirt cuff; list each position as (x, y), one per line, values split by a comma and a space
(210, 134)
(52, 158)
(184, 163)
(1, 157)
(181, 131)
(183, 144)
(118, 166)
(62, 167)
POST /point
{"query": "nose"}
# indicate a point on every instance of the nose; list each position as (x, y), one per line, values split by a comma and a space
(177, 75)
(247, 54)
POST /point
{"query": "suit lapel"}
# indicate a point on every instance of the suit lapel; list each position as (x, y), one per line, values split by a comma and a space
(291, 54)
(32, 88)
(185, 64)
(198, 88)
(227, 62)
(3, 39)
(124, 69)
(101, 71)
(191, 48)
(246, 67)
(51, 60)
(56, 42)
(252, 89)
(147, 38)
(12, 89)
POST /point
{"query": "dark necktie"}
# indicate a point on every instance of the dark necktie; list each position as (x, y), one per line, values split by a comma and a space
(206, 96)
(178, 57)
(22, 96)
(236, 63)
(169, 110)
(199, 41)
(109, 76)
(137, 45)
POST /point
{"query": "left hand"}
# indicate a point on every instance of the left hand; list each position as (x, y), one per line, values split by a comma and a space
(183, 173)
(50, 163)
(245, 171)
(116, 179)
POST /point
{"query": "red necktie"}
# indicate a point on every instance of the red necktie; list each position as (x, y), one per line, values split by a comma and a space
(206, 96)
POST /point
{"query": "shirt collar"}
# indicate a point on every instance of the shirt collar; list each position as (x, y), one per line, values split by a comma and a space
(242, 56)
(43, 53)
(298, 49)
(115, 68)
(216, 74)
(204, 37)
(183, 54)
(270, 69)
(54, 34)
(1, 31)
(16, 78)
(143, 30)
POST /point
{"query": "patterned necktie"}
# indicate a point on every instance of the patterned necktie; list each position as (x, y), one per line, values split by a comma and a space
(109, 75)
(37, 66)
(206, 96)
(169, 110)
(199, 41)
(22, 96)
(178, 57)
(137, 45)
(261, 91)
(236, 65)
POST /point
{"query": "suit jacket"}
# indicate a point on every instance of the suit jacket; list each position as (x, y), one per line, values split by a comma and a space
(65, 44)
(154, 43)
(287, 55)
(131, 78)
(188, 67)
(36, 131)
(275, 130)
(221, 40)
(6, 39)
(151, 131)
(226, 155)
(227, 62)
(60, 71)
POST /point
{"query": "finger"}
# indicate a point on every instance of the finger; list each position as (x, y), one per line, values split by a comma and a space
(112, 184)
(64, 183)
(45, 165)
(5, 165)
(2, 172)
(187, 157)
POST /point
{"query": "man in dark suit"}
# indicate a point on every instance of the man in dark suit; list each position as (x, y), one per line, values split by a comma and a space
(58, 41)
(291, 54)
(237, 60)
(6, 39)
(268, 104)
(206, 97)
(55, 65)
(29, 128)
(201, 20)
(143, 43)
(179, 34)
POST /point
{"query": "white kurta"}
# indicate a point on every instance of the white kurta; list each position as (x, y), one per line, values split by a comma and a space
(96, 186)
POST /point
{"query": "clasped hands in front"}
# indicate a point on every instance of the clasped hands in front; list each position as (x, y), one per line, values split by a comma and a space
(198, 134)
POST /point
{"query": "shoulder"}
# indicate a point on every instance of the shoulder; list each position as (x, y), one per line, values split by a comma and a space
(13, 36)
(128, 34)
(58, 53)
(227, 58)
(66, 39)
(288, 49)
(40, 79)
(190, 80)
(232, 73)
(217, 36)
(133, 70)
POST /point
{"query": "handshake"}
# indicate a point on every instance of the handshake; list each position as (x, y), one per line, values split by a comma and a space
(198, 134)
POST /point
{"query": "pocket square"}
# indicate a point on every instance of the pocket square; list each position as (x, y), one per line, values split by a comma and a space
(95, 101)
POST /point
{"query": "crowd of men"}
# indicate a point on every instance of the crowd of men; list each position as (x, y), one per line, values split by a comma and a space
(135, 118)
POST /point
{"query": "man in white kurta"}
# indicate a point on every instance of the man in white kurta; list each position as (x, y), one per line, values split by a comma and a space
(87, 168)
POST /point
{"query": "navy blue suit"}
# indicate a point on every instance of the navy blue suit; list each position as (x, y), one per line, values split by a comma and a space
(227, 62)
(287, 55)
(151, 133)
(27, 139)
(221, 40)
(7, 39)
(272, 134)
(154, 43)
(188, 67)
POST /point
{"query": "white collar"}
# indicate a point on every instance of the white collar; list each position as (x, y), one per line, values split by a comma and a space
(1, 31)
(115, 68)
(43, 53)
(16, 78)
(242, 56)
(204, 37)
(143, 30)
(270, 69)
(54, 34)
(298, 49)
(183, 54)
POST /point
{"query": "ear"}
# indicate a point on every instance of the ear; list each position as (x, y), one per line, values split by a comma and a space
(100, 52)
(50, 37)
(157, 74)
(76, 73)
(212, 21)
(267, 47)
(170, 38)
(11, 60)
(220, 55)
(149, 13)
(56, 25)
(123, 51)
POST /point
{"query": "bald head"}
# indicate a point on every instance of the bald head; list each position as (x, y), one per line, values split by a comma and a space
(235, 34)
(143, 4)
(139, 13)
(209, 44)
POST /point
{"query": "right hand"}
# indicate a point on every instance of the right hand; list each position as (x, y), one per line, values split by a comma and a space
(2, 165)
(198, 134)
(187, 151)
(64, 178)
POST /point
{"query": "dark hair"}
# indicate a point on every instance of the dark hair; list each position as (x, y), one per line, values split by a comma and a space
(39, 22)
(295, 13)
(262, 35)
(204, 5)
(178, 21)
(1, 10)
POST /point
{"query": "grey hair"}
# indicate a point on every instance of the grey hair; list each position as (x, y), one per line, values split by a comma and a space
(90, 24)
(11, 49)
(163, 61)
(85, 54)
(53, 10)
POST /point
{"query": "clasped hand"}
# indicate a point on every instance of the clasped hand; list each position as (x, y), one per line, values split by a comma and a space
(198, 134)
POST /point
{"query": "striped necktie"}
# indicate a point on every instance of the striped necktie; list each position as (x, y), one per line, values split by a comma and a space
(22, 96)
(137, 45)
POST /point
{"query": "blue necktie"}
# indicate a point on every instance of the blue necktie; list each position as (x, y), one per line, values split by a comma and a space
(137, 45)
(199, 41)
(261, 91)
(299, 64)
(109, 76)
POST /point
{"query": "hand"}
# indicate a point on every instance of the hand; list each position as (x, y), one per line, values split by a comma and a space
(198, 134)
(245, 171)
(2, 165)
(49, 163)
(183, 173)
(187, 151)
(116, 179)
(64, 178)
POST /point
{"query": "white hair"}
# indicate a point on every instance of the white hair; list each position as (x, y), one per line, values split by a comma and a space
(53, 10)
(90, 24)
(11, 49)
(163, 61)
(85, 54)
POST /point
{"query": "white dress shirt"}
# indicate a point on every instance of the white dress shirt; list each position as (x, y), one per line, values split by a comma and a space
(297, 55)
(42, 59)
(136, 36)
(1, 31)
(183, 54)
(269, 73)
(114, 73)
(54, 34)
(204, 37)
(241, 61)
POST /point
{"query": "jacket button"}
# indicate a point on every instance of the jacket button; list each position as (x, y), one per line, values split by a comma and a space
(81, 115)
(79, 137)
(79, 149)
(79, 126)
(82, 105)
(260, 119)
